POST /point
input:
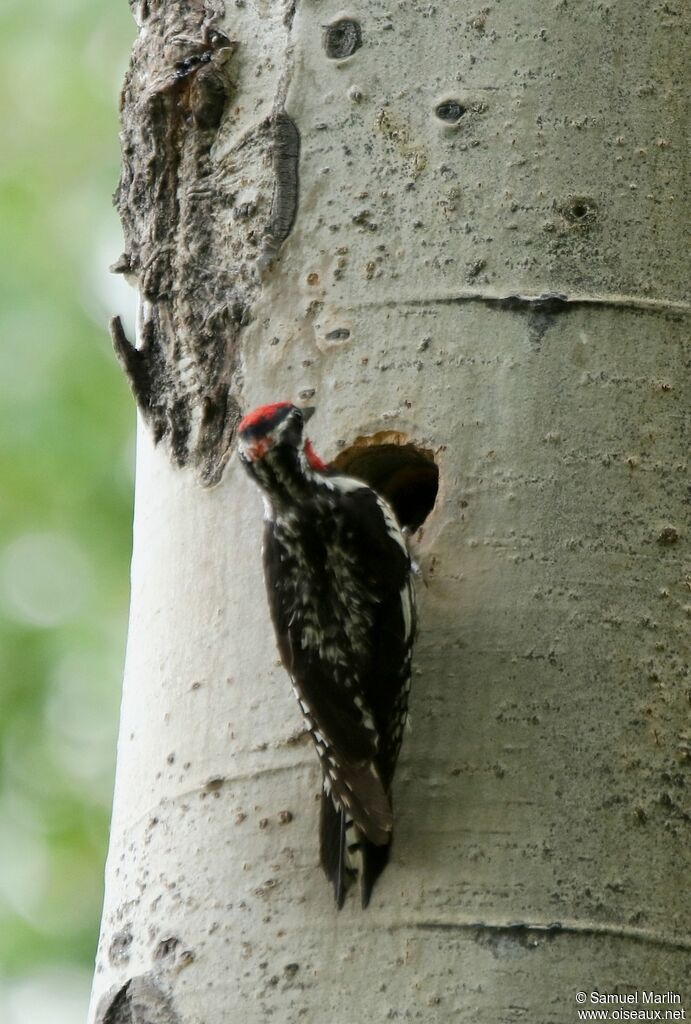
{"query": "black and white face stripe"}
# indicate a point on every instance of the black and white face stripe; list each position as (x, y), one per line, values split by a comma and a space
(270, 426)
(284, 426)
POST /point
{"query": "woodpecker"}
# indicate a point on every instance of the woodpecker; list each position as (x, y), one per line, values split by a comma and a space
(340, 588)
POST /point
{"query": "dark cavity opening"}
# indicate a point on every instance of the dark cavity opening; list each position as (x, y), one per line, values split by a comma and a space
(579, 210)
(342, 38)
(407, 476)
(450, 111)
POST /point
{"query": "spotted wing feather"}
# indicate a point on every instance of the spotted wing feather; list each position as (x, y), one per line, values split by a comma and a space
(338, 578)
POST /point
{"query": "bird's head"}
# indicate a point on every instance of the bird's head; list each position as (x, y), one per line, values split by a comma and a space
(269, 427)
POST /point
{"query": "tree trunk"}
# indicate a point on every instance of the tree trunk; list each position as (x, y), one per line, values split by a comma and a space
(460, 228)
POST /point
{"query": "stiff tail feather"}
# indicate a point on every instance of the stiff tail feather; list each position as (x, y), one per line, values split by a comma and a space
(340, 843)
(332, 847)
(373, 861)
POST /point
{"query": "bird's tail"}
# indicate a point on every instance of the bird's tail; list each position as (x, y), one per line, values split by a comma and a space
(373, 860)
(332, 847)
(345, 852)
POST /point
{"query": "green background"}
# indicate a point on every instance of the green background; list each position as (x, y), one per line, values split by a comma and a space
(66, 458)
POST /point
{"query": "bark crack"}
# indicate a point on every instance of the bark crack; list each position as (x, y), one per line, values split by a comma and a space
(215, 784)
(529, 934)
(547, 302)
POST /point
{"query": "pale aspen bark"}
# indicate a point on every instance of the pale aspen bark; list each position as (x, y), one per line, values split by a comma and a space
(470, 231)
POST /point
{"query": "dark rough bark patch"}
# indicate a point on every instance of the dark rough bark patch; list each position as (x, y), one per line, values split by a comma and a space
(195, 265)
(173, 100)
(286, 150)
(133, 361)
(139, 1001)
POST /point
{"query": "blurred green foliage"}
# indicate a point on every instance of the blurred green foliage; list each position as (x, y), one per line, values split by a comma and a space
(66, 440)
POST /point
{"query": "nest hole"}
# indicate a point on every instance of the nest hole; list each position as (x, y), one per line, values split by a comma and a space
(406, 475)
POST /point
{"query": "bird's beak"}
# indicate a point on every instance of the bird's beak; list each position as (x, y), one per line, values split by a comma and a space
(307, 413)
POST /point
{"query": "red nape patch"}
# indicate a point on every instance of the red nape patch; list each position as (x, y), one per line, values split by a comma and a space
(313, 459)
(264, 412)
